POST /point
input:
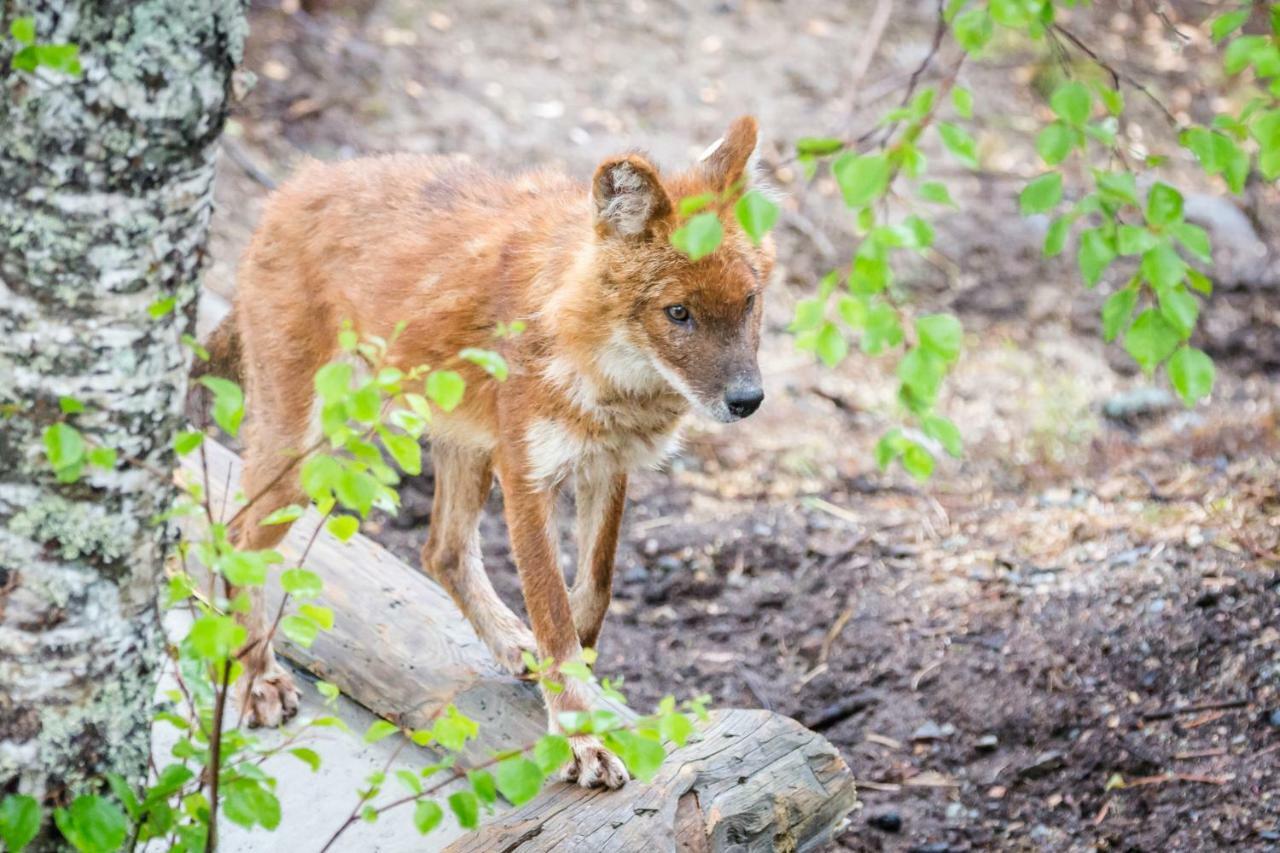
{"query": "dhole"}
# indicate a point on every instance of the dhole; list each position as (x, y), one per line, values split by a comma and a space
(623, 335)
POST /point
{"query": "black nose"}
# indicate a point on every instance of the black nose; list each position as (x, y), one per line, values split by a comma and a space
(743, 401)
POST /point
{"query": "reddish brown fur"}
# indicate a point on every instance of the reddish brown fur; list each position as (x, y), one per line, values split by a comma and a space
(599, 379)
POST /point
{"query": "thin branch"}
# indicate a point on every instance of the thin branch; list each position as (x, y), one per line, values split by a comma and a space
(1118, 75)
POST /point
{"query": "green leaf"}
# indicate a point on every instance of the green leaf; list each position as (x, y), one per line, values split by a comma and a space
(65, 448)
(1072, 103)
(187, 441)
(818, 146)
(691, 204)
(552, 752)
(333, 381)
(676, 728)
(1192, 373)
(862, 178)
(405, 450)
(1240, 53)
(1195, 239)
(300, 629)
(343, 527)
(92, 824)
(70, 405)
(283, 515)
(917, 461)
(921, 373)
(215, 637)
(59, 57)
(1116, 312)
(307, 756)
(301, 583)
(889, 448)
(492, 363)
(445, 388)
(1055, 239)
(973, 29)
(1224, 25)
(24, 30)
(945, 432)
(19, 821)
(518, 779)
(1180, 309)
(161, 307)
(642, 755)
(1134, 240)
(757, 214)
(1163, 267)
(962, 100)
(465, 808)
(809, 315)
(883, 328)
(936, 192)
(1199, 282)
(1150, 340)
(483, 786)
(831, 346)
(699, 236)
(1055, 142)
(322, 616)
(102, 457)
(248, 802)
(1164, 205)
(1094, 255)
(961, 145)
(941, 334)
(1041, 194)
(228, 403)
(26, 59)
(427, 815)
(378, 730)
(1119, 187)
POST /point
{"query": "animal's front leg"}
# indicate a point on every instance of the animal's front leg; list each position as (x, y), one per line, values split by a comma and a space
(601, 497)
(529, 511)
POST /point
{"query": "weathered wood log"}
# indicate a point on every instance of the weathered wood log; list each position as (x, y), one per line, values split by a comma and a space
(750, 780)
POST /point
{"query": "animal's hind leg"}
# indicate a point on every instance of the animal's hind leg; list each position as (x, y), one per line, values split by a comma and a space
(452, 553)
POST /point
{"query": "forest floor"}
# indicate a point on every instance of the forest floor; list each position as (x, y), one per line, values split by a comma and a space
(1069, 639)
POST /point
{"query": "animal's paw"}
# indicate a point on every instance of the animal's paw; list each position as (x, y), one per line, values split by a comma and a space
(510, 646)
(593, 766)
(268, 699)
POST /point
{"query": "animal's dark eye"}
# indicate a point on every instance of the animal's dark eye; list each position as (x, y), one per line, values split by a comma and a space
(751, 301)
(678, 313)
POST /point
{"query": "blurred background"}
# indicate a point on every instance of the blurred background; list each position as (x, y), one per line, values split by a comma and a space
(1006, 654)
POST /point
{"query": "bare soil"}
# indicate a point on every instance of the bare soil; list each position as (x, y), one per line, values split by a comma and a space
(1068, 640)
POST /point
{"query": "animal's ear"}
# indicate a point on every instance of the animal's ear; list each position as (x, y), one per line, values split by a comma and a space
(725, 163)
(628, 197)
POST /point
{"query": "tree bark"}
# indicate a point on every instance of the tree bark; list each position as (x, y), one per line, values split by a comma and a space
(105, 198)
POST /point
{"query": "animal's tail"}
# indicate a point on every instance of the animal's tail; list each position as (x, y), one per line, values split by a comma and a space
(224, 352)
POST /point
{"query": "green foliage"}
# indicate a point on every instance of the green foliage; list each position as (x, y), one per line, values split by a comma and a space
(699, 236)
(63, 58)
(92, 824)
(19, 821)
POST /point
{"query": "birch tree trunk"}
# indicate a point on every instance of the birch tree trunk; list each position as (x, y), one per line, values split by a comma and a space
(105, 197)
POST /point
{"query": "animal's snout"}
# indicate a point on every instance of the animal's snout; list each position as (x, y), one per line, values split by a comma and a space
(742, 401)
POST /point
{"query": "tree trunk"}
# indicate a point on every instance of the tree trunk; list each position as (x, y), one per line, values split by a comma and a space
(105, 197)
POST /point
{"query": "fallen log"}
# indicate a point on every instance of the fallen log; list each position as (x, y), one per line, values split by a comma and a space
(749, 780)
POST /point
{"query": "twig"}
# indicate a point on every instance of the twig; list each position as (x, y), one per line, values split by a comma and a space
(241, 158)
(1223, 705)
(1116, 74)
(871, 41)
(215, 758)
(833, 632)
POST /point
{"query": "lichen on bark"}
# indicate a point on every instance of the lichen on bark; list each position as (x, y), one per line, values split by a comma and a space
(105, 198)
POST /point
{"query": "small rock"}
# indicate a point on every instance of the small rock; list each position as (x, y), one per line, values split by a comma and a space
(635, 574)
(1274, 719)
(887, 821)
(986, 743)
(1044, 764)
(956, 812)
(929, 731)
(1139, 401)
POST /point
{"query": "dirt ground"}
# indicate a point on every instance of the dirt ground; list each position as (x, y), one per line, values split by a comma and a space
(1068, 640)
